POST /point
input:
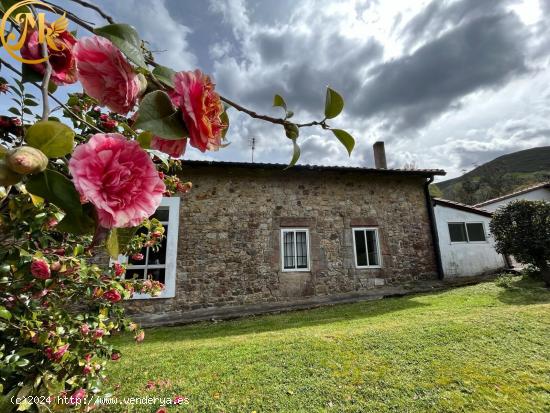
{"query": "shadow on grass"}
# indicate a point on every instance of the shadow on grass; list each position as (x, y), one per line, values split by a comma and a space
(294, 319)
(524, 290)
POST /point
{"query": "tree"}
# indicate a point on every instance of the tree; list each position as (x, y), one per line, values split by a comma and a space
(68, 191)
(522, 229)
(435, 191)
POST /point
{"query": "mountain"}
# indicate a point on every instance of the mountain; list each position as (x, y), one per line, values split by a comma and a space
(498, 177)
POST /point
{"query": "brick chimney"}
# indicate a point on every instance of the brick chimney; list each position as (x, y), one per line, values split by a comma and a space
(379, 155)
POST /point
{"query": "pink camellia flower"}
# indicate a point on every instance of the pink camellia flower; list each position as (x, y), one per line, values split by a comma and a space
(174, 148)
(194, 94)
(140, 336)
(162, 410)
(40, 269)
(110, 124)
(77, 397)
(87, 369)
(118, 177)
(112, 296)
(106, 75)
(62, 60)
(138, 256)
(88, 357)
(85, 329)
(98, 333)
(115, 356)
(57, 354)
(119, 269)
(16, 121)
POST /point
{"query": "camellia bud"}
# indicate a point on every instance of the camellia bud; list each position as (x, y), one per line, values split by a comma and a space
(7, 176)
(142, 83)
(26, 160)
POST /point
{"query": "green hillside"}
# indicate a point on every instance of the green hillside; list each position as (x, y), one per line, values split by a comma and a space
(498, 177)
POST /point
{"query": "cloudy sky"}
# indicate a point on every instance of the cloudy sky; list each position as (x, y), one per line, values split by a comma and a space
(446, 84)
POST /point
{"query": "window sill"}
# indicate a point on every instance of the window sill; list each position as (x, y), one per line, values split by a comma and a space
(296, 270)
(369, 267)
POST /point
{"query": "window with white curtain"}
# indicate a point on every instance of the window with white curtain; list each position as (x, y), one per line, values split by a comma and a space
(295, 249)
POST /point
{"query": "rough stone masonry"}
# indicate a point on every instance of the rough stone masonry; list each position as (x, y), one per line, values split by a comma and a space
(228, 257)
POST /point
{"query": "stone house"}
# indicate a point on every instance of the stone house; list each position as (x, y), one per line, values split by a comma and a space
(255, 237)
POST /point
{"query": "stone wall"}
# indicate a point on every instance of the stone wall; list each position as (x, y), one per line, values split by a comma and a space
(228, 251)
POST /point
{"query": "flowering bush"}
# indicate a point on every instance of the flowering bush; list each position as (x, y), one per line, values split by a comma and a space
(67, 192)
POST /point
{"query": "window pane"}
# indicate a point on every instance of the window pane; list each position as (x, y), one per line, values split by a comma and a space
(159, 256)
(162, 214)
(301, 249)
(457, 231)
(288, 238)
(360, 248)
(156, 274)
(476, 232)
(133, 273)
(372, 245)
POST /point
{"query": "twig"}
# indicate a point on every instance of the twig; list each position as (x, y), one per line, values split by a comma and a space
(95, 8)
(71, 16)
(17, 72)
(47, 76)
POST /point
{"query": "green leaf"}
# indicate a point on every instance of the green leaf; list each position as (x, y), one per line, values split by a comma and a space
(346, 139)
(333, 104)
(126, 38)
(291, 130)
(279, 101)
(15, 111)
(29, 74)
(118, 240)
(59, 190)
(30, 102)
(77, 224)
(4, 313)
(225, 120)
(144, 139)
(7, 4)
(53, 138)
(295, 154)
(52, 87)
(157, 115)
(111, 244)
(165, 75)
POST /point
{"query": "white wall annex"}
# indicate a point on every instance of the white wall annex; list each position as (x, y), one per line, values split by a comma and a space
(538, 193)
(467, 254)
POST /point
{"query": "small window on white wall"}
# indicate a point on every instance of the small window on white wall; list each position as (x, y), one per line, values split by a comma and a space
(295, 249)
(366, 246)
(467, 232)
(159, 265)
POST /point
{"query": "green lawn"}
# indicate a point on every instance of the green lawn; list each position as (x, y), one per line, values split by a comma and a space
(483, 348)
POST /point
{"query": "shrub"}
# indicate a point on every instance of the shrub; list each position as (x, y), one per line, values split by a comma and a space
(522, 229)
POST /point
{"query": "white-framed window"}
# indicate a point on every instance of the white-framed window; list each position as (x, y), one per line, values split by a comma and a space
(159, 265)
(295, 249)
(466, 232)
(366, 247)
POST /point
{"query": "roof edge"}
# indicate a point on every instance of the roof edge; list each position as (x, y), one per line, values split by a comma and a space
(281, 167)
(513, 194)
(463, 207)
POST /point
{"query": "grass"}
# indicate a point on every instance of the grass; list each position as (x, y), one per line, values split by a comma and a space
(482, 348)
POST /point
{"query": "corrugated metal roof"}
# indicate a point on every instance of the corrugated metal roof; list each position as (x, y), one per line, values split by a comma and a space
(279, 166)
(511, 195)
